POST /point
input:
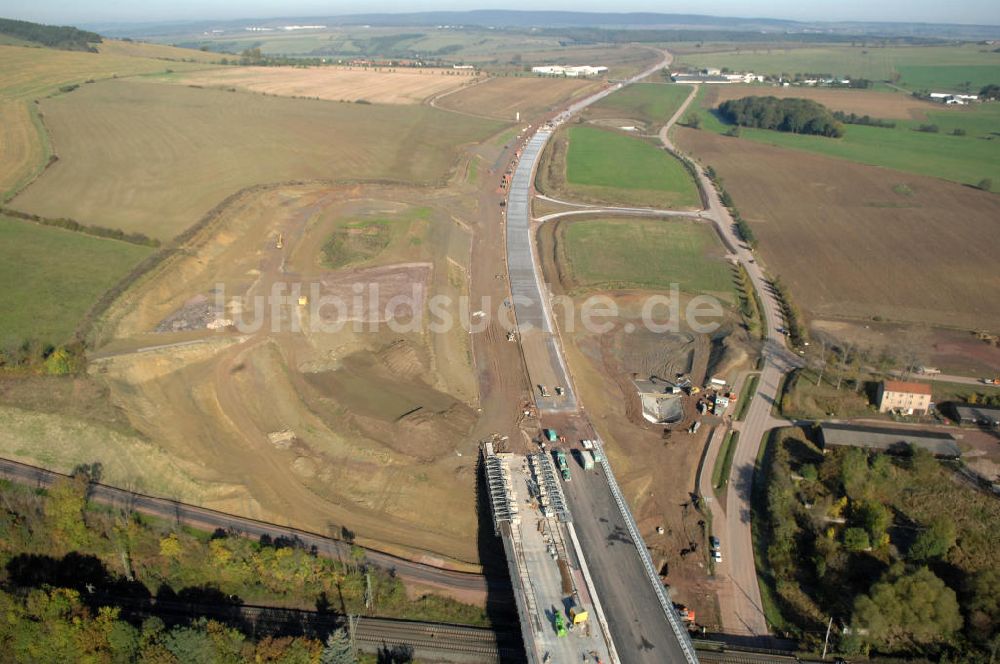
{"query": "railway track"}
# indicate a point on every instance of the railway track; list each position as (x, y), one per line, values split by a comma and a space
(480, 645)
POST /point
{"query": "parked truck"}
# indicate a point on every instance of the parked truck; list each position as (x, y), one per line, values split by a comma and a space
(563, 465)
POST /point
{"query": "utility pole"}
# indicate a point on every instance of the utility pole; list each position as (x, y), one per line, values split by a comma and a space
(826, 641)
(352, 622)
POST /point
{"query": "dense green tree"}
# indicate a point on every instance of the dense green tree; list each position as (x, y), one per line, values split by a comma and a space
(874, 518)
(983, 604)
(338, 648)
(64, 513)
(798, 116)
(934, 541)
(205, 641)
(856, 539)
(61, 37)
(907, 609)
(854, 473)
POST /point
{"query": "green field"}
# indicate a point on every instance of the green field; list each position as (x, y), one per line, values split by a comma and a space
(52, 276)
(643, 253)
(609, 160)
(651, 103)
(965, 159)
(943, 68)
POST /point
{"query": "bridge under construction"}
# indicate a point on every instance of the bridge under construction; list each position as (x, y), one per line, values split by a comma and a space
(561, 620)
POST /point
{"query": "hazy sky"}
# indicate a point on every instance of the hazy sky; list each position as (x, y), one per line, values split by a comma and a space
(102, 11)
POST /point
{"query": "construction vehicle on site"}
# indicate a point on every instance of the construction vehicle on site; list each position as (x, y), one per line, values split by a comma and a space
(563, 465)
(560, 625)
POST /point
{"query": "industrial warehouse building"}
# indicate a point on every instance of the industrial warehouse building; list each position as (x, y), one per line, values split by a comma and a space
(888, 439)
(897, 396)
(570, 72)
(981, 415)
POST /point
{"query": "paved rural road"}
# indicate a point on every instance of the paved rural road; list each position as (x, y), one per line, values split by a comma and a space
(740, 602)
(640, 625)
(206, 519)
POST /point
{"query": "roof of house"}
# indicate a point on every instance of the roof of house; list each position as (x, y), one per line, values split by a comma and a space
(907, 386)
(889, 438)
(977, 413)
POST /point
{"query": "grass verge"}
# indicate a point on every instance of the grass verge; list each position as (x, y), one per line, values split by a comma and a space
(724, 462)
(746, 394)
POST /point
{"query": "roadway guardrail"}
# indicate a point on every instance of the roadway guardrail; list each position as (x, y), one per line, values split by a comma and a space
(675, 622)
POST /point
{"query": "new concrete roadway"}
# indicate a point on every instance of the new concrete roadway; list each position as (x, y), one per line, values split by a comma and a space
(644, 627)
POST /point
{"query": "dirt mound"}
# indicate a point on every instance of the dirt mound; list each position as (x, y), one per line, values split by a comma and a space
(197, 313)
(402, 358)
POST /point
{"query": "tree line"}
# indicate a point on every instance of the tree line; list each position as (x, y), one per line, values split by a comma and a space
(794, 115)
(866, 120)
(65, 38)
(82, 582)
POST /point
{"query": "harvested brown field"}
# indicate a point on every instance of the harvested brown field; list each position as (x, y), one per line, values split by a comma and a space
(859, 241)
(398, 86)
(22, 150)
(503, 97)
(890, 105)
(153, 157)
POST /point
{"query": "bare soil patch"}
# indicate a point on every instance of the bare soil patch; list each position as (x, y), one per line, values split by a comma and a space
(396, 86)
(859, 241)
(656, 465)
(503, 97)
(323, 426)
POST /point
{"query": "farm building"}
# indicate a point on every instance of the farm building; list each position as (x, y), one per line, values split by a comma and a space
(888, 439)
(897, 396)
(712, 75)
(581, 71)
(971, 414)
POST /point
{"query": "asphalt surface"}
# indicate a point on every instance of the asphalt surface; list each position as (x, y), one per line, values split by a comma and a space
(635, 617)
(740, 602)
(206, 519)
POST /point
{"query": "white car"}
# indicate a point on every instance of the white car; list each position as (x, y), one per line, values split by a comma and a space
(717, 556)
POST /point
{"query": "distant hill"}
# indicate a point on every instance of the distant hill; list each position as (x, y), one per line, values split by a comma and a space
(65, 38)
(515, 19)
